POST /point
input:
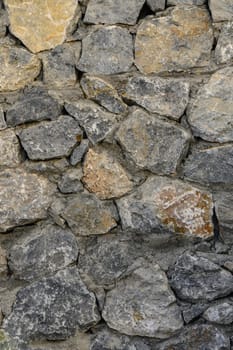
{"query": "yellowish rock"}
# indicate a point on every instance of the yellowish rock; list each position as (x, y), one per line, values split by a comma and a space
(42, 24)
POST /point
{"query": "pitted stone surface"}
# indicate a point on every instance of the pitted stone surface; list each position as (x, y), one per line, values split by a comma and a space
(10, 150)
(224, 48)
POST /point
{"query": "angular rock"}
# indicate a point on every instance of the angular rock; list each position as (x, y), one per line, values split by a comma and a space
(104, 93)
(104, 175)
(2, 120)
(43, 252)
(224, 207)
(51, 139)
(167, 97)
(70, 181)
(143, 304)
(110, 12)
(210, 115)
(224, 48)
(211, 165)
(192, 312)
(186, 2)
(52, 308)
(156, 5)
(3, 264)
(96, 122)
(107, 50)
(79, 152)
(51, 22)
(152, 143)
(9, 149)
(36, 104)
(179, 41)
(25, 198)
(221, 10)
(195, 279)
(220, 313)
(165, 205)
(18, 68)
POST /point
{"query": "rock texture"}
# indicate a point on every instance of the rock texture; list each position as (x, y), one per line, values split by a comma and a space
(220, 313)
(9, 149)
(221, 10)
(223, 51)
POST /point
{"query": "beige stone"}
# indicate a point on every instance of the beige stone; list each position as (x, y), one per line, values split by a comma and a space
(42, 24)
(104, 175)
(9, 148)
(179, 41)
(3, 266)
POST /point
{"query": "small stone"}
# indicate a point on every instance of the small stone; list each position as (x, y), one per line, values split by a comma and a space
(3, 264)
(143, 304)
(18, 68)
(36, 104)
(194, 278)
(179, 41)
(43, 252)
(210, 115)
(221, 10)
(9, 149)
(156, 5)
(70, 181)
(103, 92)
(167, 97)
(51, 22)
(2, 120)
(51, 139)
(224, 48)
(25, 198)
(110, 12)
(96, 122)
(52, 308)
(104, 175)
(220, 313)
(79, 152)
(194, 311)
(152, 143)
(167, 205)
(107, 50)
(186, 2)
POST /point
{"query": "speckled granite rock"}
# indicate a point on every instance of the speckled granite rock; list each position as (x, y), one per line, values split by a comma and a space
(10, 150)
(221, 313)
(224, 48)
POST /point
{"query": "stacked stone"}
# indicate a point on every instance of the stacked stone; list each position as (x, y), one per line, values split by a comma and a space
(116, 130)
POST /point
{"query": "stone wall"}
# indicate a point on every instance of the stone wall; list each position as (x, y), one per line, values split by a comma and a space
(116, 174)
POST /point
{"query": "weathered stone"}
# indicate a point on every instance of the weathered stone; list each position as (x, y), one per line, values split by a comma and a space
(107, 50)
(3, 22)
(103, 92)
(46, 250)
(96, 122)
(110, 12)
(197, 337)
(104, 175)
(195, 279)
(24, 198)
(211, 165)
(220, 313)
(156, 5)
(210, 115)
(46, 24)
(221, 10)
(51, 139)
(224, 48)
(167, 97)
(6, 343)
(143, 304)
(193, 311)
(151, 143)
(186, 2)
(70, 181)
(79, 152)
(224, 207)
(53, 308)
(34, 105)
(9, 149)
(179, 41)
(59, 65)
(164, 205)
(3, 265)
(2, 120)
(18, 68)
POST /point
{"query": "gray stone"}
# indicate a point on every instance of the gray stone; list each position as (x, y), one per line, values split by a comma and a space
(2, 120)
(221, 10)
(34, 105)
(167, 97)
(3, 22)
(96, 122)
(197, 337)
(25, 198)
(52, 308)
(107, 50)
(195, 279)
(224, 48)
(224, 207)
(70, 181)
(186, 2)
(156, 5)
(143, 304)
(192, 312)
(220, 313)
(10, 150)
(52, 139)
(111, 12)
(210, 115)
(6, 343)
(46, 250)
(79, 152)
(151, 143)
(211, 165)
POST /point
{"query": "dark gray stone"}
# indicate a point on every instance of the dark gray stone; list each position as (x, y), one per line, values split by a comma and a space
(191, 312)
(70, 181)
(51, 139)
(156, 5)
(107, 50)
(221, 313)
(224, 48)
(196, 279)
(79, 152)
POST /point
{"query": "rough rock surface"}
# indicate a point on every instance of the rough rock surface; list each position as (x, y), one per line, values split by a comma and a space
(176, 42)
(224, 48)
(6, 343)
(10, 154)
(220, 313)
(3, 264)
(2, 120)
(79, 152)
(143, 304)
(51, 139)
(152, 143)
(221, 10)
(224, 206)
(162, 204)
(186, 2)
(107, 50)
(156, 5)
(50, 21)
(70, 181)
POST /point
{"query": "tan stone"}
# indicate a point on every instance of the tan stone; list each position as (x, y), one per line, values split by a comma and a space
(42, 24)
(18, 68)
(9, 148)
(179, 41)
(3, 266)
(104, 175)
